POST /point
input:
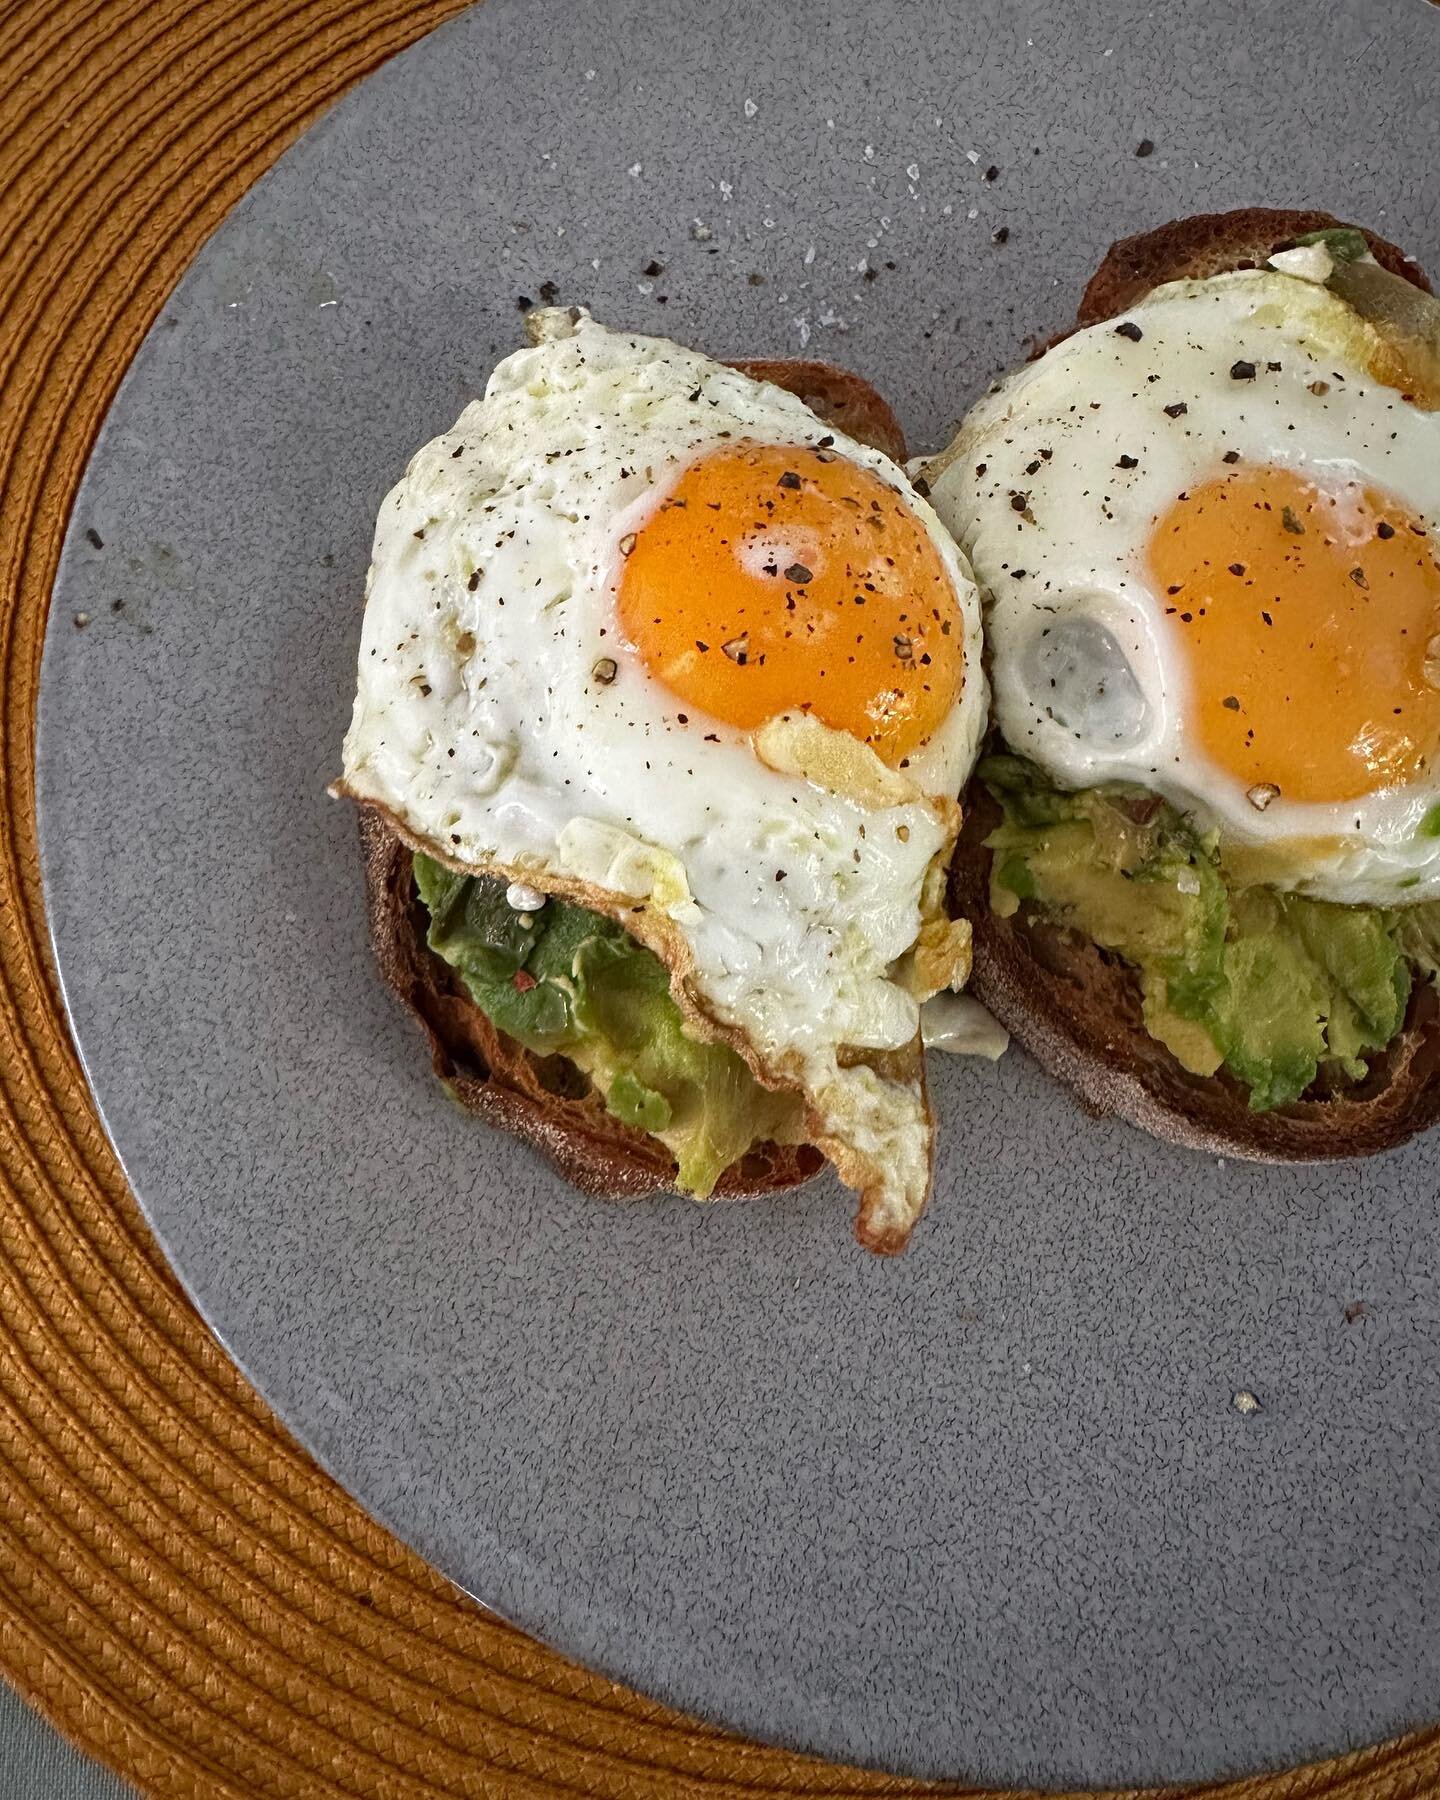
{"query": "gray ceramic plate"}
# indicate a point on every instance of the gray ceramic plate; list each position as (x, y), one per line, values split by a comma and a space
(988, 1510)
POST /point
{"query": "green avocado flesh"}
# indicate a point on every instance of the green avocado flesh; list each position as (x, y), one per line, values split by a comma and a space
(566, 981)
(1274, 987)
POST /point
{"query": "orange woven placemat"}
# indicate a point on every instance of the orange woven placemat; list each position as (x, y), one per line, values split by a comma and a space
(181, 1590)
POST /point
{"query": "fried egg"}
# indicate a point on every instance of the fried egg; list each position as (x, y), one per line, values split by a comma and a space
(645, 633)
(1208, 530)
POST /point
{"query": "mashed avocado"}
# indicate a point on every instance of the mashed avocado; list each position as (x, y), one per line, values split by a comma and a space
(565, 980)
(1273, 987)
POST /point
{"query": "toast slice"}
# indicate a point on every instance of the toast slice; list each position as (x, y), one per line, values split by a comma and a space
(1212, 244)
(546, 1100)
(1075, 1007)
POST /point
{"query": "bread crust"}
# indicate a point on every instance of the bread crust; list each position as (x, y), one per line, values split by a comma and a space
(841, 399)
(1212, 244)
(1075, 1007)
(546, 1100)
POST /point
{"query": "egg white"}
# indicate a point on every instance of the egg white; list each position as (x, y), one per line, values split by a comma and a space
(502, 720)
(1054, 432)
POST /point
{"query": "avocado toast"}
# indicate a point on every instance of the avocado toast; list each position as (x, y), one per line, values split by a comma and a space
(702, 963)
(1166, 976)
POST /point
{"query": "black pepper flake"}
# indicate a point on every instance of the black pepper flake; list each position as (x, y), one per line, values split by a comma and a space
(523, 303)
(1145, 148)
(701, 646)
(1358, 577)
(1127, 328)
(1128, 462)
(1237, 568)
(653, 268)
(474, 580)
(1273, 367)
(1000, 235)
(979, 470)
(1019, 502)
(1385, 529)
(1242, 371)
(790, 479)
(1230, 703)
(991, 174)
(1177, 410)
(93, 538)
(780, 874)
(799, 574)
(1231, 456)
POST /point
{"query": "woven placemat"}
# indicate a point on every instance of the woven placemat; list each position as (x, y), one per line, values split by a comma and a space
(181, 1590)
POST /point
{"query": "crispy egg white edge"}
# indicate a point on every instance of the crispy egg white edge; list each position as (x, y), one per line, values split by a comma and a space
(1358, 852)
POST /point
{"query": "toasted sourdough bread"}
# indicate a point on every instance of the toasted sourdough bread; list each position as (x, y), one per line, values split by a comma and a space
(546, 1100)
(1075, 1007)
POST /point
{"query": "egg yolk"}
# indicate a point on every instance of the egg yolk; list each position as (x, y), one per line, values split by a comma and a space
(1309, 622)
(774, 579)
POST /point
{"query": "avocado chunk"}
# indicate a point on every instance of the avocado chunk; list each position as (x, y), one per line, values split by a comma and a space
(1271, 986)
(565, 980)
(1406, 317)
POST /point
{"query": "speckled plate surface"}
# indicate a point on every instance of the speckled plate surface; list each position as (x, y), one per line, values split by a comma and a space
(989, 1510)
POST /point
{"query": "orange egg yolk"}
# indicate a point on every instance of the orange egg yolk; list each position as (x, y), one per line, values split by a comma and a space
(774, 579)
(1308, 618)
